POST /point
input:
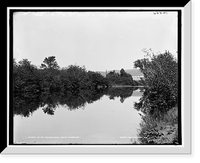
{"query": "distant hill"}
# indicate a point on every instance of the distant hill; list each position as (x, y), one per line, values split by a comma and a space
(133, 72)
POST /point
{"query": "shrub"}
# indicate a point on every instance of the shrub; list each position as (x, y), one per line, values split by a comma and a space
(161, 79)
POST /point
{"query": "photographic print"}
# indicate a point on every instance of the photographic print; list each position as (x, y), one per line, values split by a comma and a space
(95, 77)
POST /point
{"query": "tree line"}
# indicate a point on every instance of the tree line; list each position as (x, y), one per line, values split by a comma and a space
(51, 78)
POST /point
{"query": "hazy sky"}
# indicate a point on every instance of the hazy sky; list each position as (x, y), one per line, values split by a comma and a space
(96, 40)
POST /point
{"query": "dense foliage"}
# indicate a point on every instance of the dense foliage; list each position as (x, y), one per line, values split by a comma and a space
(26, 77)
(121, 78)
(158, 103)
(161, 81)
(51, 78)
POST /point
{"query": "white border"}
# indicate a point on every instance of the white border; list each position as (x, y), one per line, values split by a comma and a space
(107, 149)
(186, 76)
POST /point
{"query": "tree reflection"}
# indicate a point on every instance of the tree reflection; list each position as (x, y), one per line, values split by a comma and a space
(26, 104)
(121, 92)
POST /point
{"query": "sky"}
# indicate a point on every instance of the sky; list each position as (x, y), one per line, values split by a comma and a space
(99, 41)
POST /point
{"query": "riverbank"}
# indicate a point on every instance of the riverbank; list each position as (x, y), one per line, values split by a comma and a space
(168, 127)
(160, 130)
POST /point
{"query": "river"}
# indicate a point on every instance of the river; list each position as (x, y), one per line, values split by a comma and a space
(108, 119)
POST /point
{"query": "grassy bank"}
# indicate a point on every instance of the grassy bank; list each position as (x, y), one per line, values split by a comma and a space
(163, 130)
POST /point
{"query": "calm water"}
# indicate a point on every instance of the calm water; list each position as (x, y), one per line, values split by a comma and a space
(110, 118)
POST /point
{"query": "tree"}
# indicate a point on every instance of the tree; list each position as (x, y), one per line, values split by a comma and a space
(122, 79)
(25, 77)
(126, 79)
(50, 63)
(141, 63)
(161, 79)
(97, 80)
(76, 76)
(122, 72)
(50, 75)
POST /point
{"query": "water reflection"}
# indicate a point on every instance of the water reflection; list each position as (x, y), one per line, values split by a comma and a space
(123, 93)
(26, 104)
(157, 126)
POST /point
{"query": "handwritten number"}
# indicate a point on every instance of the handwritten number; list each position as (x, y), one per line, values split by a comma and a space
(156, 13)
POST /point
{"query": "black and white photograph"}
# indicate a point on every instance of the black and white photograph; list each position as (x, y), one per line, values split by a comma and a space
(96, 77)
